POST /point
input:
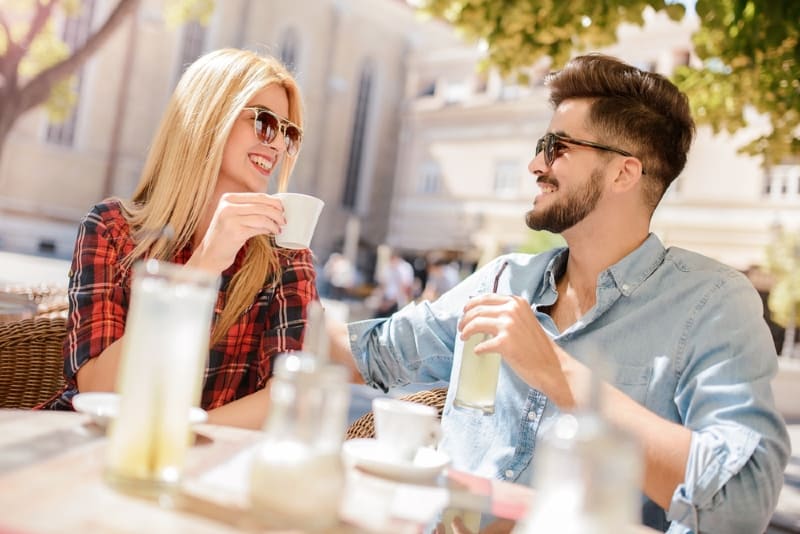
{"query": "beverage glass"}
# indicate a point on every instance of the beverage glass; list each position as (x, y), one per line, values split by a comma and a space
(403, 427)
(297, 477)
(476, 385)
(164, 353)
(477, 377)
(301, 212)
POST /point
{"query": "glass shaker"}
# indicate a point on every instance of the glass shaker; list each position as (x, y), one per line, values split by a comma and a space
(297, 477)
(588, 479)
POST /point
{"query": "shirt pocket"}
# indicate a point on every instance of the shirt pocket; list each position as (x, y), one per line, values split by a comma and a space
(633, 380)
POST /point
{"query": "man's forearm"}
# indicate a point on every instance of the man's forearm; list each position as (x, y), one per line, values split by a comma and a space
(340, 349)
(664, 444)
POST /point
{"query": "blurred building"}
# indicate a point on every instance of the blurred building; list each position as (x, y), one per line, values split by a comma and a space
(467, 138)
(349, 57)
(405, 141)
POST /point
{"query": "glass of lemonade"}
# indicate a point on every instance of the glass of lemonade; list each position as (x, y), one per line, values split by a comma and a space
(164, 353)
(476, 385)
(477, 377)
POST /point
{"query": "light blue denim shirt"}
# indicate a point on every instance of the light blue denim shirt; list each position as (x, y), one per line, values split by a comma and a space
(688, 341)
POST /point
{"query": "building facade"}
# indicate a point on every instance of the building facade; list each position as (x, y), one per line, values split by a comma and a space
(405, 141)
(462, 178)
(51, 174)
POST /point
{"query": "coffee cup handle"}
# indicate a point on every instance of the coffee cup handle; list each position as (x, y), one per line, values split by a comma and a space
(435, 436)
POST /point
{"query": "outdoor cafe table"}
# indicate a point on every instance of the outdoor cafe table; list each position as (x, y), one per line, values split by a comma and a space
(51, 481)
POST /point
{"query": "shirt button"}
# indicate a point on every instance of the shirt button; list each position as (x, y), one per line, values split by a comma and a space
(531, 416)
(625, 287)
(509, 473)
(353, 337)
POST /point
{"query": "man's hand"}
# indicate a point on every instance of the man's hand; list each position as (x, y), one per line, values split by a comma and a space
(238, 217)
(517, 336)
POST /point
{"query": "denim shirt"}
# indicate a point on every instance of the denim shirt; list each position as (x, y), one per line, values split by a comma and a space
(687, 340)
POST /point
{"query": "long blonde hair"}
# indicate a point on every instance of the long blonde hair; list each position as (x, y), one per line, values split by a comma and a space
(181, 171)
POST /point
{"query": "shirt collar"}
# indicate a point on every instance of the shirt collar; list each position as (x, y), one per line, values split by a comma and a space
(636, 267)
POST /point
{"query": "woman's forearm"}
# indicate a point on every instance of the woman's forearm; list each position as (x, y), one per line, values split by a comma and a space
(100, 373)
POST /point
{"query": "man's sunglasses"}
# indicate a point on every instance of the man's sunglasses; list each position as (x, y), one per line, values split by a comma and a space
(551, 144)
(267, 125)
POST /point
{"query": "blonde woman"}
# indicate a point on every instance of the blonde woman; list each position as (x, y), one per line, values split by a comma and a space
(233, 119)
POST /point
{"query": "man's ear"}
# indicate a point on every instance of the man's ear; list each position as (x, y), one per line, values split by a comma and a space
(628, 175)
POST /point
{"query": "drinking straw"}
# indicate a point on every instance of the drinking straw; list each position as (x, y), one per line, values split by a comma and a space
(497, 276)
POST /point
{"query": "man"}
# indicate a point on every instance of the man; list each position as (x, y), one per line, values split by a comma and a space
(691, 354)
(396, 285)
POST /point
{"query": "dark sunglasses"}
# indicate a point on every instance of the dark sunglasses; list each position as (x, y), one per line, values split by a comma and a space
(267, 125)
(552, 143)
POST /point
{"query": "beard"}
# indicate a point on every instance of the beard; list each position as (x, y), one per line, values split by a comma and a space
(569, 211)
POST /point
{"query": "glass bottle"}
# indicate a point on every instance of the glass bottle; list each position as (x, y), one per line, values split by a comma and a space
(297, 477)
(588, 476)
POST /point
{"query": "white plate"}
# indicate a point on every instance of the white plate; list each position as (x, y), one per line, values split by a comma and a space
(104, 406)
(371, 456)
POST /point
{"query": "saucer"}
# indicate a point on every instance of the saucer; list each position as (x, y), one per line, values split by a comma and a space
(103, 407)
(371, 456)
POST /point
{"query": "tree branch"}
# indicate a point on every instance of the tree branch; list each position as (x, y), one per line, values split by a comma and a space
(37, 90)
(43, 12)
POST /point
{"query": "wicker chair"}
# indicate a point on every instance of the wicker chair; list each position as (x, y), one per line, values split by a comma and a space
(31, 361)
(364, 426)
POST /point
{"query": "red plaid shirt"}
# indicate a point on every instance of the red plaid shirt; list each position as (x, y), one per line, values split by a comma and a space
(241, 363)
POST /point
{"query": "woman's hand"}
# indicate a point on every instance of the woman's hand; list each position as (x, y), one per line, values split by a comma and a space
(238, 217)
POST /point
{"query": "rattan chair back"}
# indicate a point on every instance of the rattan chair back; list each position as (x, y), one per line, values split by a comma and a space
(31, 361)
(364, 426)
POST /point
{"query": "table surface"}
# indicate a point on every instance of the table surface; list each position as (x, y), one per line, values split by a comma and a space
(51, 466)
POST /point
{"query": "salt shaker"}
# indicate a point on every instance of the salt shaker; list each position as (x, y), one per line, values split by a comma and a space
(588, 476)
(297, 476)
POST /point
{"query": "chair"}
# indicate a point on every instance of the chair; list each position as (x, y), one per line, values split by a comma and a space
(364, 426)
(31, 361)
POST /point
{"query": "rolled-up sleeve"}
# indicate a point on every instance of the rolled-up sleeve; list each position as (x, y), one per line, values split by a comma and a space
(416, 344)
(739, 446)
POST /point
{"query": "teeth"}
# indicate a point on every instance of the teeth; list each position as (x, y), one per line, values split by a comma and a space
(264, 163)
(547, 188)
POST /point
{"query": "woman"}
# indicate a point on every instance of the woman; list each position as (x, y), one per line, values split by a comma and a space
(233, 119)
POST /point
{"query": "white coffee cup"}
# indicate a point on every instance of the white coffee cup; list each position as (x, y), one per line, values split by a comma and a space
(403, 427)
(301, 213)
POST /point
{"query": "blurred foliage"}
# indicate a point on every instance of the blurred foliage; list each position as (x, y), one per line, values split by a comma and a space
(177, 12)
(540, 241)
(783, 263)
(748, 48)
(47, 47)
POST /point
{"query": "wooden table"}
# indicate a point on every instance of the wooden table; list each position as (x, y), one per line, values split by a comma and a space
(51, 467)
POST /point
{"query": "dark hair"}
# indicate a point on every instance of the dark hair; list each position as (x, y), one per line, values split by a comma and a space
(638, 111)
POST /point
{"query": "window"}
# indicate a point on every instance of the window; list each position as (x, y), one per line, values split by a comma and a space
(76, 31)
(194, 37)
(506, 178)
(429, 178)
(288, 48)
(782, 182)
(456, 92)
(353, 175)
(426, 87)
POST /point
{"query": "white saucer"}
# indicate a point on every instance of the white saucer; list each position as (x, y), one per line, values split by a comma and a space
(104, 406)
(371, 456)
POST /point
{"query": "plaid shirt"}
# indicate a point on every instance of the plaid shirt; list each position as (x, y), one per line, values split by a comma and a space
(241, 363)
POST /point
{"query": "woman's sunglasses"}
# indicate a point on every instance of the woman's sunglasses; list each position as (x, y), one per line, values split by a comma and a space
(267, 125)
(551, 144)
